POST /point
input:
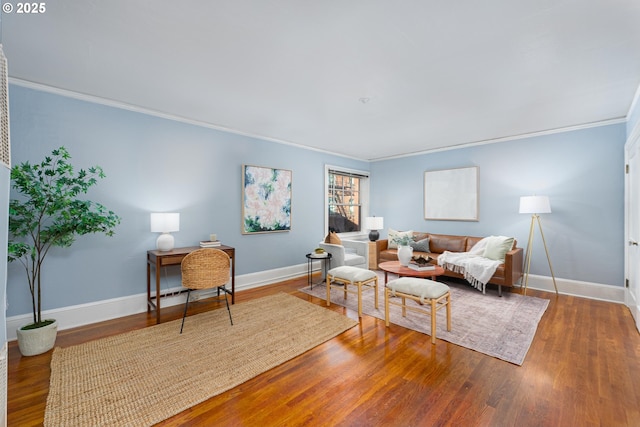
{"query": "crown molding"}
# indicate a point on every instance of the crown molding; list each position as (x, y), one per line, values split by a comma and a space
(134, 108)
(137, 109)
(613, 121)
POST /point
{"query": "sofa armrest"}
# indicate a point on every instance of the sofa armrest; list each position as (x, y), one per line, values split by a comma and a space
(360, 246)
(513, 266)
(381, 245)
(336, 251)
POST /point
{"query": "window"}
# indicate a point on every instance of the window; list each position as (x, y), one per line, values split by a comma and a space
(347, 197)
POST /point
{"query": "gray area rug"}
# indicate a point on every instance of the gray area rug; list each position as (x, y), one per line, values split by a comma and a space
(501, 327)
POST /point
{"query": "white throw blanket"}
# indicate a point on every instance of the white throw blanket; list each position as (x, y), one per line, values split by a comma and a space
(475, 268)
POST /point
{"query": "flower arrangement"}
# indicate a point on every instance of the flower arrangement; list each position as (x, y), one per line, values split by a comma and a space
(403, 240)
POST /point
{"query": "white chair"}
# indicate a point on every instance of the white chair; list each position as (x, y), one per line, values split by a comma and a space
(352, 252)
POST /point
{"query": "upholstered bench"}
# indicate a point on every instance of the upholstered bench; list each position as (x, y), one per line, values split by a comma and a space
(422, 291)
(347, 275)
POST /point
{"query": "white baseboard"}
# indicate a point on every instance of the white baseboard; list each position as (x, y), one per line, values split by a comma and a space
(577, 288)
(634, 306)
(84, 314)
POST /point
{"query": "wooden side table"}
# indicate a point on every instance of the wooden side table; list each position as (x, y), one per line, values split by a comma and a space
(373, 256)
(159, 259)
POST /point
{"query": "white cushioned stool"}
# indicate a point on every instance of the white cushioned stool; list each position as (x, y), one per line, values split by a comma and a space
(348, 275)
(437, 294)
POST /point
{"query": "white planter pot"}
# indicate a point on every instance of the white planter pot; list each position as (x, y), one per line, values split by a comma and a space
(404, 254)
(37, 341)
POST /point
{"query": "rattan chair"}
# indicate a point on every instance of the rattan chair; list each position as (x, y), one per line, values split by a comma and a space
(206, 268)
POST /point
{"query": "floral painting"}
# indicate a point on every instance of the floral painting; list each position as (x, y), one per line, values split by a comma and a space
(266, 199)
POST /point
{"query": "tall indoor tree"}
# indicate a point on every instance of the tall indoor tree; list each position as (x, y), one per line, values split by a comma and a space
(48, 212)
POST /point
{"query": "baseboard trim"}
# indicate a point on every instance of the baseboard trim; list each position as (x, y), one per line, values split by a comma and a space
(577, 288)
(99, 311)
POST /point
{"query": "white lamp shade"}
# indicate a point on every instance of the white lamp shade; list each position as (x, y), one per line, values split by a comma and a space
(374, 223)
(165, 222)
(534, 205)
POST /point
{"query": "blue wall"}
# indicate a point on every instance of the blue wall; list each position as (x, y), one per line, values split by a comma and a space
(581, 171)
(155, 164)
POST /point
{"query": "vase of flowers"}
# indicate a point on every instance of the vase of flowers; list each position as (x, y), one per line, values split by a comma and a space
(405, 251)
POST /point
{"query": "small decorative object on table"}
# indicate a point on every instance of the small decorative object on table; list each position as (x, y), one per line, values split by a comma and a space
(422, 260)
(210, 243)
(421, 264)
(319, 253)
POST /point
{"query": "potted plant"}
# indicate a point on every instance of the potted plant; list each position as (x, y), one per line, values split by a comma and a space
(49, 213)
(405, 251)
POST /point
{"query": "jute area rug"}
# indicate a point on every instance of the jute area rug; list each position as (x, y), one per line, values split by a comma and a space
(502, 327)
(142, 377)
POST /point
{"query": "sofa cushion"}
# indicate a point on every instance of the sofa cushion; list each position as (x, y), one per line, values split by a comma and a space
(497, 247)
(395, 234)
(421, 245)
(353, 259)
(443, 242)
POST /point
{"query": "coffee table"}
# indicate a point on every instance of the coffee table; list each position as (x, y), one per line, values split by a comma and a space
(401, 271)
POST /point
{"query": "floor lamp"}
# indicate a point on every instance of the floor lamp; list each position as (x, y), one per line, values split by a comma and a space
(535, 205)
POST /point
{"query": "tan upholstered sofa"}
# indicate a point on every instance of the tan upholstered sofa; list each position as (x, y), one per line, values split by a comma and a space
(508, 274)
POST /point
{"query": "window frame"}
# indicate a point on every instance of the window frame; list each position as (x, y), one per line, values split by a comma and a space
(364, 198)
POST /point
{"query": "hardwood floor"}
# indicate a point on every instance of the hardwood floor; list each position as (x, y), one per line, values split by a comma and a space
(583, 369)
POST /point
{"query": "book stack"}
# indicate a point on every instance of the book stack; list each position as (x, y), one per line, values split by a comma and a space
(210, 243)
(424, 267)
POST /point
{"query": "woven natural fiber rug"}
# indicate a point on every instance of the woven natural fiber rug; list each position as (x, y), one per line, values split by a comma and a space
(502, 327)
(142, 377)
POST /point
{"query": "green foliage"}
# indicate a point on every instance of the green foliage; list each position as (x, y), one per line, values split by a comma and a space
(49, 213)
(403, 240)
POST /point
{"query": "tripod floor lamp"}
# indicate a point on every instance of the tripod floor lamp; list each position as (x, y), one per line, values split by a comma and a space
(535, 205)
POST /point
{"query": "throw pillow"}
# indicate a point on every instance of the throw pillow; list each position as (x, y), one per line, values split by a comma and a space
(395, 234)
(333, 238)
(421, 245)
(497, 247)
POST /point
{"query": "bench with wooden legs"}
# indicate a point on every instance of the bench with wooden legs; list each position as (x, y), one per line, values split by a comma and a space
(352, 276)
(423, 291)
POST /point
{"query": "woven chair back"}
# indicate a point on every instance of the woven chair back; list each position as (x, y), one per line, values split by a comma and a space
(205, 268)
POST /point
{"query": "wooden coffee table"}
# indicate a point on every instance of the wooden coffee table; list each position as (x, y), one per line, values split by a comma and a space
(395, 267)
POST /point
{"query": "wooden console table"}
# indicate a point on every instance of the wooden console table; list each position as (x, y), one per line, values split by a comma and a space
(159, 259)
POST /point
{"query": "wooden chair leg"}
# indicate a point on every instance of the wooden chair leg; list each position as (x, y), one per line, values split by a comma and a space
(386, 306)
(186, 304)
(449, 312)
(359, 286)
(375, 288)
(433, 320)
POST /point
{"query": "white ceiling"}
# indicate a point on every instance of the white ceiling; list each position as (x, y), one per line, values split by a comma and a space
(435, 73)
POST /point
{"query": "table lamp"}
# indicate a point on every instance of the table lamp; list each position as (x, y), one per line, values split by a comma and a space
(535, 205)
(165, 223)
(374, 223)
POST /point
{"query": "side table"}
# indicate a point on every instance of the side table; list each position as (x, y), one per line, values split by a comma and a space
(324, 258)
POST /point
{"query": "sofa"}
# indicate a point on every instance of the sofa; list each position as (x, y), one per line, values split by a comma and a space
(507, 274)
